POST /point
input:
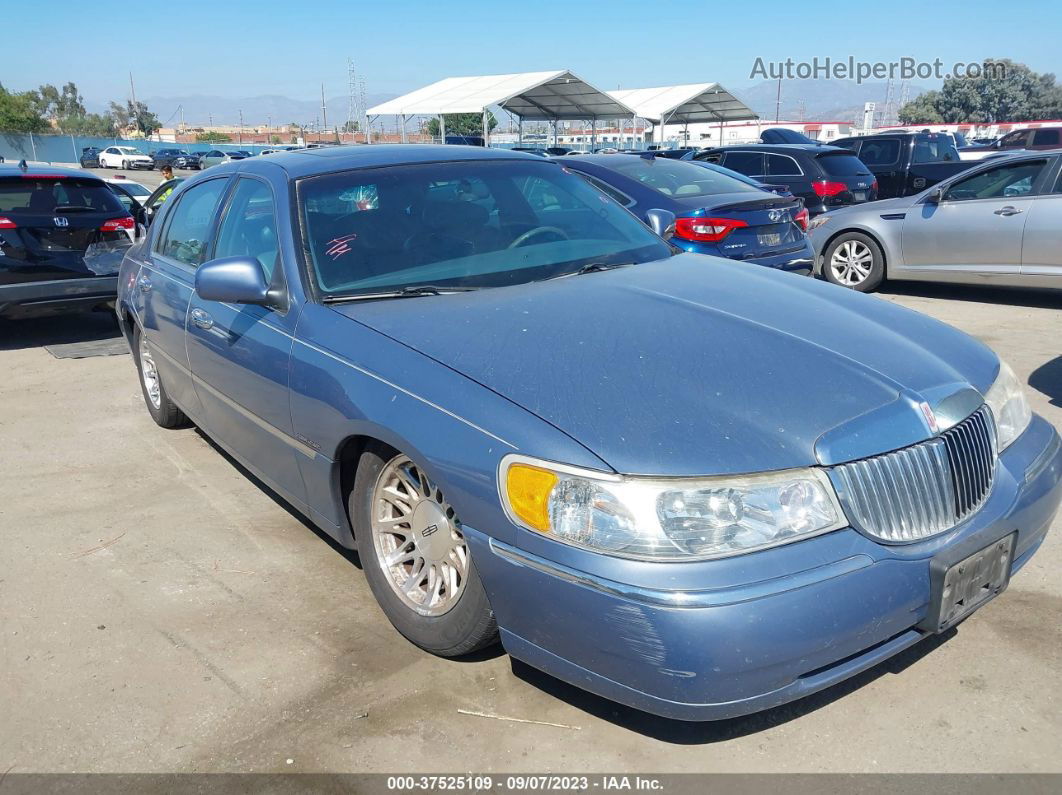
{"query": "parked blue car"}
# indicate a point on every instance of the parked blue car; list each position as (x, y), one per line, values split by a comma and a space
(695, 487)
(715, 213)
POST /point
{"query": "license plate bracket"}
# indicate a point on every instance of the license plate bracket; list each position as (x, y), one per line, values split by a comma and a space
(963, 581)
(770, 238)
(859, 195)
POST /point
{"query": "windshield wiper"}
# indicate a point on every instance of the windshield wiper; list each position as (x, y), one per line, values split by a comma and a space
(406, 292)
(593, 267)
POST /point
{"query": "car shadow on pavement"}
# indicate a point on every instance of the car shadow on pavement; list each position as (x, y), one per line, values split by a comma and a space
(686, 733)
(57, 330)
(351, 555)
(1047, 379)
(981, 294)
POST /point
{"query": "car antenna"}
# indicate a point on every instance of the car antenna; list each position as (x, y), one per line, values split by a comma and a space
(649, 155)
(23, 165)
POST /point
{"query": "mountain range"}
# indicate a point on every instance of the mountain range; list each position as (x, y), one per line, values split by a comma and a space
(811, 100)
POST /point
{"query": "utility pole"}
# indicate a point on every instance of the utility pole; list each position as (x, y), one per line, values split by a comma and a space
(241, 125)
(324, 110)
(778, 102)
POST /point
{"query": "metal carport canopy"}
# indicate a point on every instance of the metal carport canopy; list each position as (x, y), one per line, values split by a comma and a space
(536, 96)
(686, 104)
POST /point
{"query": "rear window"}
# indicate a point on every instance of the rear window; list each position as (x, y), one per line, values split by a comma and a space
(1045, 138)
(677, 178)
(880, 151)
(933, 149)
(44, 195)
(843, 165)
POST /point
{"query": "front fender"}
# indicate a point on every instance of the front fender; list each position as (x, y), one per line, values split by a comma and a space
(348, 380)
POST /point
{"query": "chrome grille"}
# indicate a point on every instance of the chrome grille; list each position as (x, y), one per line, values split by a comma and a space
(925, 489)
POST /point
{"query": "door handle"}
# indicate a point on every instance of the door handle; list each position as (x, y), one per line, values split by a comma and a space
(202, 319)
(1008, 210)
(145, 284)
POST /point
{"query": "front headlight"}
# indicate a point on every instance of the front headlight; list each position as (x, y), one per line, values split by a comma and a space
(1010, 407)
(667, 518)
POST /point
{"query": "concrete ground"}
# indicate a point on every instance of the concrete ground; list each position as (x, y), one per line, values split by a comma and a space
(161, 611)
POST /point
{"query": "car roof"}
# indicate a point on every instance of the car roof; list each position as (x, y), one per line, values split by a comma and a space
(309, 162)
(13, 170)
(782, 148)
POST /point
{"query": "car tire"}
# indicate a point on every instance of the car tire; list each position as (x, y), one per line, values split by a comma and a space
(445, 622)
(854, 260)
(125, 165)
(163, 411)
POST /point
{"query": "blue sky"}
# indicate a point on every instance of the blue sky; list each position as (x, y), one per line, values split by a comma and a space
(237, 49)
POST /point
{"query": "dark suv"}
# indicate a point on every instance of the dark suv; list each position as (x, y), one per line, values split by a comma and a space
(825, 177)
(62, 236)
(174, 158)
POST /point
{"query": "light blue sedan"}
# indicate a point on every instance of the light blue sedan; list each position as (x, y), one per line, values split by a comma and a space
(687, 484)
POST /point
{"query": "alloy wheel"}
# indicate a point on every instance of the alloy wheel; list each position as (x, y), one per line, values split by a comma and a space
(851, 262)
(150, 375)
(417, 538)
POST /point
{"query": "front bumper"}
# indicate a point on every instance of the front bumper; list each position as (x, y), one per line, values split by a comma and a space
(748, 633)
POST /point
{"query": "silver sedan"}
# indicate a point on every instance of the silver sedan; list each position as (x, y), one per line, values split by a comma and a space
(998, 223)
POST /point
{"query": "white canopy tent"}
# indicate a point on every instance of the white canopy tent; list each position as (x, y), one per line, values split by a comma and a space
(685, 104)
(538, 96)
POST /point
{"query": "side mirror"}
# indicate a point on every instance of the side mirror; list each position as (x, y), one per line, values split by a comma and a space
(662, 222)
(235, 280)
(935, 196)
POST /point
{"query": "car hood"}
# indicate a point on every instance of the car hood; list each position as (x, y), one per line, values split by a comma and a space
(699, 365)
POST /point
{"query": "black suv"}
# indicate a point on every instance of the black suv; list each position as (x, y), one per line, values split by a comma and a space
(825, 177)
(90, 157)
(62, 236)
(174, 158)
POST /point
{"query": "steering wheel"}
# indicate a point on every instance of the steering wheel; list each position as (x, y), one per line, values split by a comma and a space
(538, 230)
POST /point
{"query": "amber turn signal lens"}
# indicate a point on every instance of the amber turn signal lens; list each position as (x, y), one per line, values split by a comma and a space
(528, 489)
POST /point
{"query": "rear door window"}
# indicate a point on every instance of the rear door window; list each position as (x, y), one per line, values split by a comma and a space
(935, 149)
(880, 151)
(747, 163)
(188, 225)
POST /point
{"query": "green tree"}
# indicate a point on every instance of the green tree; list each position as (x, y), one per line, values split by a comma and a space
(20, 112)
(350, 126)
(1004, 91)
(274, 139)
(135, 115)
(922, 110)
(94, 124)
(213, 137)
(60, 103)
(462, 124)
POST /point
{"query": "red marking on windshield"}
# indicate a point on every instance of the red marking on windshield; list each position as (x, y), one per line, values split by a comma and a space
(338, 246)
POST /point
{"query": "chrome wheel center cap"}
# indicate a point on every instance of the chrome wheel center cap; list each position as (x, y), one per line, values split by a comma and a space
(431, 531)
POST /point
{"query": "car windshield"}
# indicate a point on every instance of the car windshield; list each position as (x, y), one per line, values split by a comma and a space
(128, 150)
(136, 189)
(677, 178)
(462, 224)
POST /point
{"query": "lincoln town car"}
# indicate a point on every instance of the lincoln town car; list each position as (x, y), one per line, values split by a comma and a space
(689, 484)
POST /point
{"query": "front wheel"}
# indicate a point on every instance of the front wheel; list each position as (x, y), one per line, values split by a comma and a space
(163, 410)
(125, 165)
(416, 558)
(854, 260)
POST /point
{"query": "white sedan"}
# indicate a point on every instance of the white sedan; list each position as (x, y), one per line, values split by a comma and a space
(126, 157)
